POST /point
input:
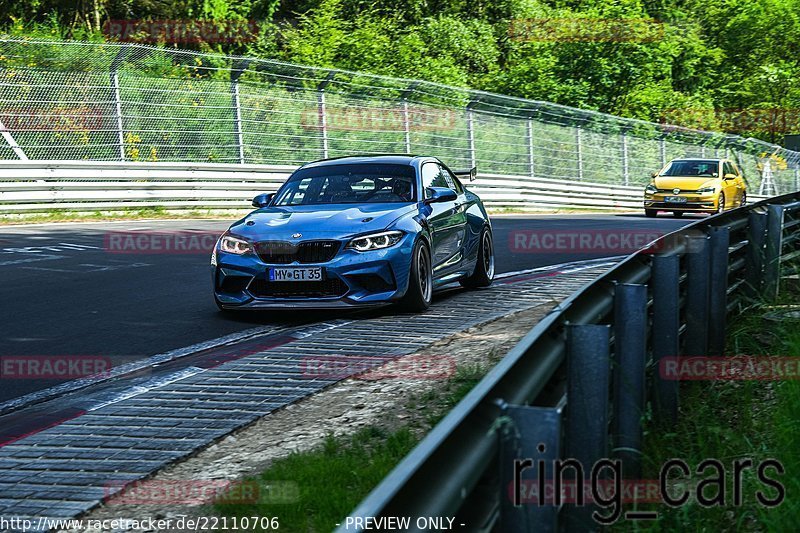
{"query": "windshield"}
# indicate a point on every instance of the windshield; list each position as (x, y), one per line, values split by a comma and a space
(349, 184)
(692, 167)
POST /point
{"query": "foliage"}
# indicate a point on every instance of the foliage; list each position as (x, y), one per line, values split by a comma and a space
(695, 54)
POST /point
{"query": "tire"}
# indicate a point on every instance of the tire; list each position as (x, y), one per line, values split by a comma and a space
(483, 274)
(420, 280)
(743, 201)
(677, 214)
(651, 213)
(721, 203)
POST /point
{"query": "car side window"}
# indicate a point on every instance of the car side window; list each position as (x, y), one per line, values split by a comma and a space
(451, 180)
(433, 176)
(727, 169)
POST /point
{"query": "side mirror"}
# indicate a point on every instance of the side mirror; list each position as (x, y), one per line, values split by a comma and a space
(729, 177)
(440, 194)
(654, 174)
(263, 200)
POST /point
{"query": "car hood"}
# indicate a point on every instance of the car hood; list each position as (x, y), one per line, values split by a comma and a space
(685, 183)
(318, 221)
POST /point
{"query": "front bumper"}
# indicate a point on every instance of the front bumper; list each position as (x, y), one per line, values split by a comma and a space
(694, 203)
(351, 279)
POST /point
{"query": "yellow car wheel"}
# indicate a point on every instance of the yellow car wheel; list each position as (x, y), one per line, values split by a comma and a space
(721, 203)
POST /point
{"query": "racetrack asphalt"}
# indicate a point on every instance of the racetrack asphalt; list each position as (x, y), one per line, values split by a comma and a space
(68, 292)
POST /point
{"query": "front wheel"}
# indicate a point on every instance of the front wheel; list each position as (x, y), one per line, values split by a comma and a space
(484, 266)
(420, 280)
(743, 201)
(721, 203)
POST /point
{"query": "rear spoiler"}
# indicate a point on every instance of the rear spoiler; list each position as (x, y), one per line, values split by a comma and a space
(470, 174)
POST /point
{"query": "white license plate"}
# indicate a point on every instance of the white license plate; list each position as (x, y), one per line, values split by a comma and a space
(295, 274)
(676, 199)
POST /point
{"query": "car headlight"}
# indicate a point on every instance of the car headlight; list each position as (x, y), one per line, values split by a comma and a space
(376, 241)
(706, 190)
(232, 245)
(651, 189)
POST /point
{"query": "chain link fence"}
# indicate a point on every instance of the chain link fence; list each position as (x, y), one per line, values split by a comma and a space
(135, 103)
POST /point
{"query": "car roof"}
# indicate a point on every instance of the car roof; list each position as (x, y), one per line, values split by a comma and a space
(700, 159)
(396, 159)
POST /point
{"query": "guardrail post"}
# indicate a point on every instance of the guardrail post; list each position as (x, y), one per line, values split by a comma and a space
(471, 135)
(529, 138)
(718, 290)
(665, 331)
(754, 258)
(772, 251)
(698, 263)
(625, 169)
(586, 433)
(535, 435)
(579, 152)
(630, 337)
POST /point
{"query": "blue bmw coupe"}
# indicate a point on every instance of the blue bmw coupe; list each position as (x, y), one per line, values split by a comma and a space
(356, 231)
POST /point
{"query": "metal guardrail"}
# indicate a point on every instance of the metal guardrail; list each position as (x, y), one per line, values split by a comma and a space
(67, 100)
(584, 372)
(30, 186)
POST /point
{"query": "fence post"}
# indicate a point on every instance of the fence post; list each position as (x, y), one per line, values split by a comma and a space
(797, 179)
(529, 137)
(406, 126)
(406, 116)
(586, 431)
(322, 112)
(630, 355)
(718, 290)
(579, 152)
(697, 295)
(237, 110)
(625, 169)
(117, 61)
(665, 331)
(471, 135)
(772, 251)
(662, 149)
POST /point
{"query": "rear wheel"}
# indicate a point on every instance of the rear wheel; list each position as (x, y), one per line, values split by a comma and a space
(484, 266)
(651, 213)
(420, 280)
(677, 214)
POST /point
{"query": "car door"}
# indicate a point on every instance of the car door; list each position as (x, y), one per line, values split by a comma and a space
(741, 186)
(732, 187)
(443, 220)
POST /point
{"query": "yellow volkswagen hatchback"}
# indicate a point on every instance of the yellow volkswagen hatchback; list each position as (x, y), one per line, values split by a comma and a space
(695, 186)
